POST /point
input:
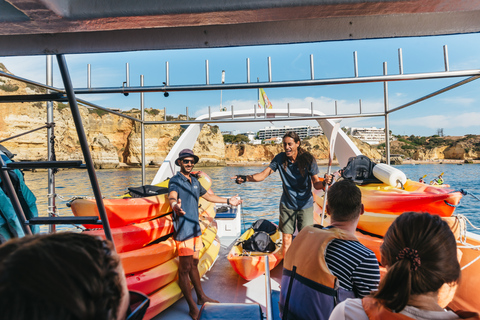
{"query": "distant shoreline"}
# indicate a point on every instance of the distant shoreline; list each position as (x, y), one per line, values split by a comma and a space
(321, 162)
(324, 162)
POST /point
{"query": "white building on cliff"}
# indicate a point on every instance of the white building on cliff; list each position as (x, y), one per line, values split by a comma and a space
(371, 135)
(302, 131)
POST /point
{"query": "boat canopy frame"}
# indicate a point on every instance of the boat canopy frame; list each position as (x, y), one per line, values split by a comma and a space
(68, 93)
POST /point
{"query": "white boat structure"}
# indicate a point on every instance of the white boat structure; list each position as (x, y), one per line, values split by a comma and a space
(46, 27)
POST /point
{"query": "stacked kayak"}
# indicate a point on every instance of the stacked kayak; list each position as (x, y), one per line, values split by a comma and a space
(250, 264)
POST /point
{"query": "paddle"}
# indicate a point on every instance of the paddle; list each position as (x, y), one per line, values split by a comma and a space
(333, 137)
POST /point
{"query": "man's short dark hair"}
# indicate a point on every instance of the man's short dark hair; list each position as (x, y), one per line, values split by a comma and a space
(344, 200)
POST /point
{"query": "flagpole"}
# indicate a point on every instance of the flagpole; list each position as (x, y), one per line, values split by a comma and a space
(333, 137)
(258, 95)
(221, 98)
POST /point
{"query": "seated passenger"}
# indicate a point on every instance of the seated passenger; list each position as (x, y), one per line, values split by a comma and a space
(326, 266)
(420, 254)
(62, 276)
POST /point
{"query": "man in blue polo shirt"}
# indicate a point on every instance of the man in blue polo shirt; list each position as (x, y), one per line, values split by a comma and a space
(184, 191)
(298, 170)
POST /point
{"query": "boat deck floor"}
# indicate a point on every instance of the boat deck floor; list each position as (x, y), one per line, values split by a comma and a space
(225, 285)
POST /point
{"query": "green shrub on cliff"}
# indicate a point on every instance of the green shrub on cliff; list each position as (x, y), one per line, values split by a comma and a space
(152, 111)
(8, 87)
(229, 138)
(99, 112)
(61, 106)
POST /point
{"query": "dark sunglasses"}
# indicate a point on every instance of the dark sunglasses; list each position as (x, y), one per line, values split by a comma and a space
(138, 305)
(188, 161)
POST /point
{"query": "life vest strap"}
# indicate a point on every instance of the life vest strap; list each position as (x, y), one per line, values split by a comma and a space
(310, 283)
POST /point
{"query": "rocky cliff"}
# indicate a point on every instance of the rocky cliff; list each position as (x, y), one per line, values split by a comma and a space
(112, 139)
(318, 146)
(438, 148)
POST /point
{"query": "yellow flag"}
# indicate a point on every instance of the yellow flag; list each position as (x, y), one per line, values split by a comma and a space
(263, 99)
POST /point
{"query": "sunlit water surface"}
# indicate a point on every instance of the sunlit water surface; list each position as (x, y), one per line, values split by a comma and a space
(261, 199)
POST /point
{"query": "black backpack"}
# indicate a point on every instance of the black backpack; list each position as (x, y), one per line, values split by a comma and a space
(260, 241)
(264, 225)
(146, 191)
(359, 169)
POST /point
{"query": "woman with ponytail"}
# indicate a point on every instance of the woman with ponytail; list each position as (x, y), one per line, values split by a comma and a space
(420, 254)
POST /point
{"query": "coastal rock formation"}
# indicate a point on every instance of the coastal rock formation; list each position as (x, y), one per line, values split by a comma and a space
(464, 149)
(210, 147)
(242, 153)
(317, 146)
(104, 153)
(427, 154)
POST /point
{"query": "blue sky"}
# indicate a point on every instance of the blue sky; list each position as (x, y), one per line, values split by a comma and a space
(456, 111)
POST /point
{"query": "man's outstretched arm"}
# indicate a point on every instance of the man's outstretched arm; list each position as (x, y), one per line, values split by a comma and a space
(257, 177)
(234, 201)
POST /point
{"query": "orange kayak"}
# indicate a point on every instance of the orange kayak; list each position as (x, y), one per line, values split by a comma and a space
(122, 212)
(137, 235)
(378, 223)
(416, 196)
(152, 279)
(252, 265)
(148, 257)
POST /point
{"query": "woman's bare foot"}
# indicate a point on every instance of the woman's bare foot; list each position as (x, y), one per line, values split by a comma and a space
(194, 312)
(204, 299)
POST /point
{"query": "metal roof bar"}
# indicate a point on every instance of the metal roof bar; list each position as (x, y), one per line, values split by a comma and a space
(280, 84)
(433, 94)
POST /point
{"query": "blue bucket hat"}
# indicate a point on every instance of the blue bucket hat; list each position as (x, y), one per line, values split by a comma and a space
(184, 154)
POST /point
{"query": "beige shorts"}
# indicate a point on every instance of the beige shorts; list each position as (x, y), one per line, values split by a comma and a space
(289, 218)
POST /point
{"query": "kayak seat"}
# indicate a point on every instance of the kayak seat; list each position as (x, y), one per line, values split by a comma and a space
(146, 191)
(232, 311)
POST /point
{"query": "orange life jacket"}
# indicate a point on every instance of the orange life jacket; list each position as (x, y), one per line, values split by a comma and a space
(314, 289)
(377, 311)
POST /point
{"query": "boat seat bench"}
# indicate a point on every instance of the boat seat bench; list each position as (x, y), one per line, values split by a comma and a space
(233, 311)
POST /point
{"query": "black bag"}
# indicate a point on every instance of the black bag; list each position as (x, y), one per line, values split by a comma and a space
(264, 225)
(146, 191)
(360, 170)
(260, 241)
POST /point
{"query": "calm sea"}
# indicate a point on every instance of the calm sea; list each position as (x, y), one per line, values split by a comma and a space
(261, 200)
